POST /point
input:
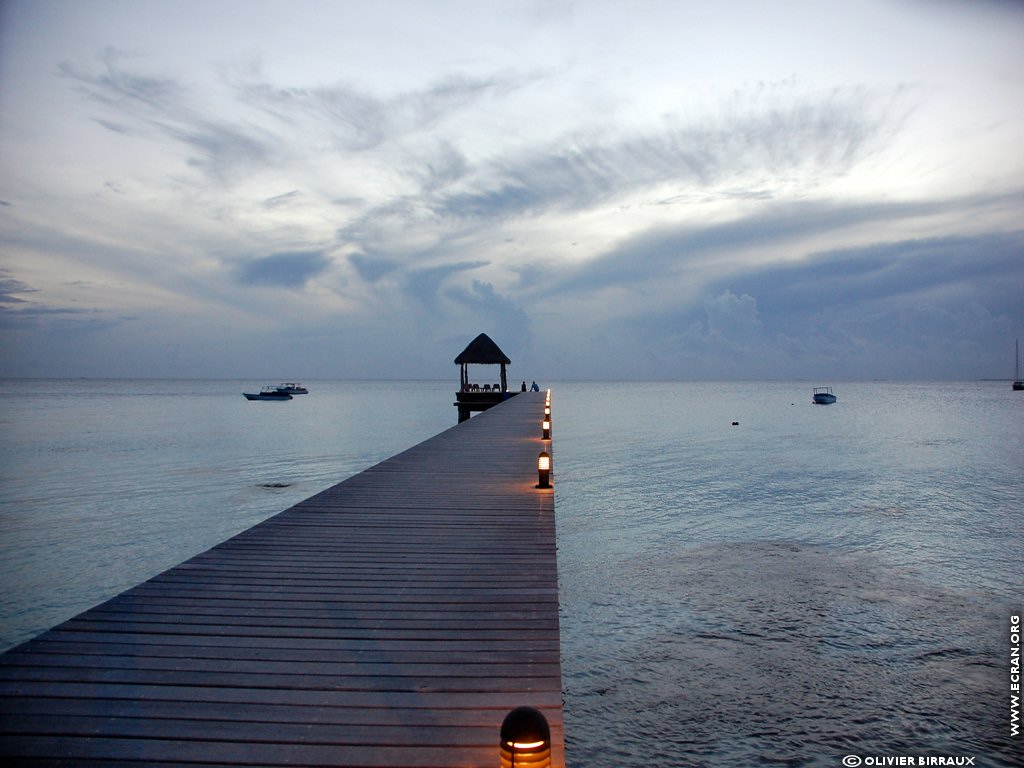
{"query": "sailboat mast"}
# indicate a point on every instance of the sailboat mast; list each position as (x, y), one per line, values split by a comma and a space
(1018, 385)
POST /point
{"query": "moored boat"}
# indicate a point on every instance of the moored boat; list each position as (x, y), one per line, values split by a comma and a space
(823, 396)
(268, 393)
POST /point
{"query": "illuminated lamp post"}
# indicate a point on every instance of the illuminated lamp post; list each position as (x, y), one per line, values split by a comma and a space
(544, 470)
(525, 739)
(545, 428)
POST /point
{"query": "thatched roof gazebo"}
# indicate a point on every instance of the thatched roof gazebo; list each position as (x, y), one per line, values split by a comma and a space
(471, 397)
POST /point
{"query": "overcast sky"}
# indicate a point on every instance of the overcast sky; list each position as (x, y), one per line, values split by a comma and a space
(615, 190)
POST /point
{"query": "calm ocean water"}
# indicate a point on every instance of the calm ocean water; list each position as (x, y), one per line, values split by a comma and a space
(811, 583)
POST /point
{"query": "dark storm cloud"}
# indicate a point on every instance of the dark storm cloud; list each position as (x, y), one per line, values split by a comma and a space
(660, 254)
(501, 313)
(9, 286)
(33, 317)
(17, 313)
(370, 268)
(486, 302)
(986, 268)
(424, 284)
(283, 270)
(905, 309)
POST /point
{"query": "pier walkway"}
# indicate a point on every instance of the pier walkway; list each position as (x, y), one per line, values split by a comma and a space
(393, 619)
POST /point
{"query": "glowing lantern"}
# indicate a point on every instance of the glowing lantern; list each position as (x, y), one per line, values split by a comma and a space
(545, 427)
(544, 470)
(525, 739)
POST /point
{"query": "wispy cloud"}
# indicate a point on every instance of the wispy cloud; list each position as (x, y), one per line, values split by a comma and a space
(356, 120)
(130, 92)
(10, 286)
(347, 119)
(755, 146)
(165, 108)
(760, 145)
(285, 198)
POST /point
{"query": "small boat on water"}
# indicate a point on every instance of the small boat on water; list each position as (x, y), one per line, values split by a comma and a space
(1018, 385)
(823, 396)
(268, 393)
(292, 388)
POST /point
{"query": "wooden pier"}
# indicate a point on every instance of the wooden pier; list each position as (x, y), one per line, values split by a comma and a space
(393, 619)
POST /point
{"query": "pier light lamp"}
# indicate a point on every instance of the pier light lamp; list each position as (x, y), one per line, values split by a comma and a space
(545, 427)
(544, 470)
(547, 411)
(525, 739)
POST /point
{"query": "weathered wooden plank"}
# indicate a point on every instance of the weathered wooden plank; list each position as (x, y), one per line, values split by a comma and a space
(357, 645)
(392, 619)
(12, 693)
(299, 733)
(464, 629)
(437, 597)
(408, 717)
(230, 675)
(279, 651)
(350, 668)
(292, 618)
(357, 611)
(343, 734)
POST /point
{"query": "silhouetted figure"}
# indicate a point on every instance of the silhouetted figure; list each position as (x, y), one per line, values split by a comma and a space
(535, 388)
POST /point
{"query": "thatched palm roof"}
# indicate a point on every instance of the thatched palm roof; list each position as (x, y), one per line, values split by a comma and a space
(482, 351)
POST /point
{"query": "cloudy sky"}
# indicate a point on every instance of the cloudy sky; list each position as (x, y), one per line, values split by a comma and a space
(617, 190)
